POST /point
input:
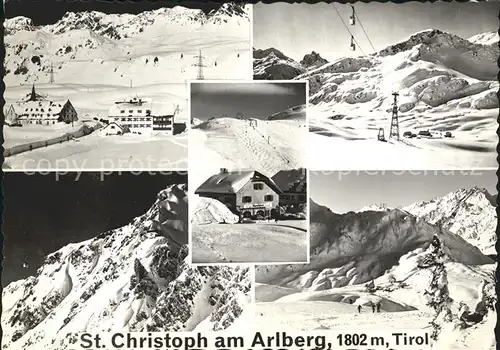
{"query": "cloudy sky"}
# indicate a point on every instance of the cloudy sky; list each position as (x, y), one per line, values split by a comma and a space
(343, 192)
(38, 10)
(257, 100)
(42, 213)
(298, 29)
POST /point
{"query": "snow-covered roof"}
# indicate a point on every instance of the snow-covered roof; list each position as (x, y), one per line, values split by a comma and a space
(294, 180)
(46, 106)
(230, 182)
(113, 123)
(156, 108)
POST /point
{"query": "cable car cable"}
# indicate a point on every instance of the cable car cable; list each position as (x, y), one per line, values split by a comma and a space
(364, 31)
(347, 28)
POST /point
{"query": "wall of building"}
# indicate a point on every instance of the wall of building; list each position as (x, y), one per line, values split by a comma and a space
(258, 198)
(293, 198)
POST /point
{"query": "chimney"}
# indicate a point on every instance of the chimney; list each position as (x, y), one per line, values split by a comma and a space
(223, 171)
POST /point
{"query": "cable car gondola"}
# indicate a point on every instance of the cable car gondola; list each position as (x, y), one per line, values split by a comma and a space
(352, 18)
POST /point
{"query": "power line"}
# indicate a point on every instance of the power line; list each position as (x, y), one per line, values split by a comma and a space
(347, 28)
(364, 31)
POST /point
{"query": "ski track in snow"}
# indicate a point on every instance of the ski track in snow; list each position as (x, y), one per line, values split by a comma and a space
(234, 144)
(257, 242)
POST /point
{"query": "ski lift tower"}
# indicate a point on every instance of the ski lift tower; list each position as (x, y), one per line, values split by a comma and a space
(200, 66)
(394, 120)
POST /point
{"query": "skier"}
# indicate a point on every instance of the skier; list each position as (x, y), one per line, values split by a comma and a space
(216, 63)
(359, 308)
(238, 55)
(182, 56)
(156, 61)
(147, 60)
(378, 307)
(351, 301)
(373, 308)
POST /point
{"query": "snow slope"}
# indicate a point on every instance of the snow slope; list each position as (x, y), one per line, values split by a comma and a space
(386, 248)
(469, 213)
(93, 47)
(250, 242)
(354, 248)
(445, 83)
(485, 38)
(265, 146)
(134, 278)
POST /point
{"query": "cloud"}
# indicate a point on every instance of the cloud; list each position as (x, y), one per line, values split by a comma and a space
(250, 88)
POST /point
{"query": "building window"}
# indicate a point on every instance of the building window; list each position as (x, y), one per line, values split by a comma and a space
(258, 186)
(148, 119)
(286, 197)
(269, 198)
(139, 111)
(246, 199)
(130, 110)
(122, 111)
(302, 197)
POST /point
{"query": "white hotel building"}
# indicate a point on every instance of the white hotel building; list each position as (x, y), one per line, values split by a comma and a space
(142, 116)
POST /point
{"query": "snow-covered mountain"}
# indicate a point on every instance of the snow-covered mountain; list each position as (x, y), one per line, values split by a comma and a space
(121, 47)
(375, 207)
(134, 278)
(382, 258)
(469, 213)
(272, 64)
(356, 247)
(430, 69)
(485, 38)
(445, 84)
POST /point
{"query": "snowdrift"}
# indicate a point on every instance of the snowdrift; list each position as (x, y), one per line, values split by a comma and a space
(211, 211)
(134, 278)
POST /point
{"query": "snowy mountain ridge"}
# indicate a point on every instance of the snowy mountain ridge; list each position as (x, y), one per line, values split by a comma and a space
(469, 213)
(121, 48)
(356, 247)
(134, 278)
(117, 26)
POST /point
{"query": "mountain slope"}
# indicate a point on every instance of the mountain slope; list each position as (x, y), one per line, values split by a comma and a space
(134, 278)
(124, 47)
(354, 248)
(272, 64)
(263, 145)
(468, 213)
(445, 84)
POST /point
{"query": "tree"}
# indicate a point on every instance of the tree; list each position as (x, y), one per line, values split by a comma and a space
(437, 293)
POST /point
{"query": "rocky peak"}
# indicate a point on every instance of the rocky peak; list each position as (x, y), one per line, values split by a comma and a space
(313, 59)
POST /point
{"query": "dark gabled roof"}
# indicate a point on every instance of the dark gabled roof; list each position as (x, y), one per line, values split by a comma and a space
(232, 181)
(294, 180)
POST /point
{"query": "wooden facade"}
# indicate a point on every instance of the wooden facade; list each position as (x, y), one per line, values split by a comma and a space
(248, 194)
